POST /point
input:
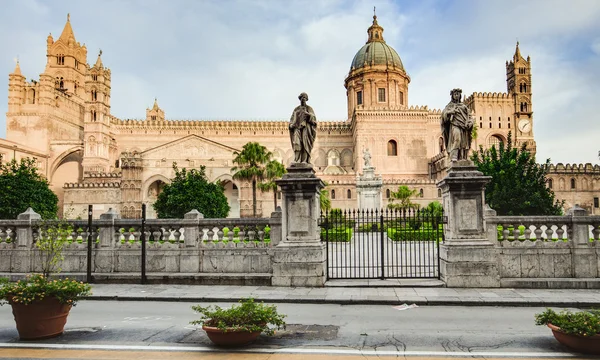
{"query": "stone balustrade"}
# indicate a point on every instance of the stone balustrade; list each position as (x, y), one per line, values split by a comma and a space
(546, 251)
(238, 248)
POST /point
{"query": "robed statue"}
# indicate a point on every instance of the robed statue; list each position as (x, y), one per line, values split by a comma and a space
(367, 157)
(457, 127)
(303, 130)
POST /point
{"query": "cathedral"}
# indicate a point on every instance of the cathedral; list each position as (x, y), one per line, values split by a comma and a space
(91, 156)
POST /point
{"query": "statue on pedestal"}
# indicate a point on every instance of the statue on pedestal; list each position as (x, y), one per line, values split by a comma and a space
(457, 126)
(303, 130)
(367, 157)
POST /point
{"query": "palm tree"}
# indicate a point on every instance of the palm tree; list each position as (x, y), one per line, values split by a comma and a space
(250, 166)
(324, 200)
(274, 170)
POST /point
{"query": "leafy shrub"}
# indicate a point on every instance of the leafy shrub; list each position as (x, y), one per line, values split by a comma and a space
(37, 287)
(337, 235)
(249, 316)
(368, 227)
(583, 323)
(414, 235)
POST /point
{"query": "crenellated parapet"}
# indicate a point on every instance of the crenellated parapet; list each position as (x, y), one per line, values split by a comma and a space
(487, 96)
(220, 125)
(561, 168)
(92, 185)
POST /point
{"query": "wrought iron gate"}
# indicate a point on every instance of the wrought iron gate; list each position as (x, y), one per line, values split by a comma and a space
(380, 244)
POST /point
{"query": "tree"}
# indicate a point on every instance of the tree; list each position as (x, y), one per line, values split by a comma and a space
(188, 190)
(250, 166)
(21, 186)
(324, 200)
(434, 209)
(273, 171)
(401, 199)
(518, 185)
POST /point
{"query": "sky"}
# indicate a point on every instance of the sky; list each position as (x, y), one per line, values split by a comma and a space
(249, 59)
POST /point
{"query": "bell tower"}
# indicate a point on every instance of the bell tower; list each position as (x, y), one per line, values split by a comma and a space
(100, 146)
(518, 82)
(67, 63)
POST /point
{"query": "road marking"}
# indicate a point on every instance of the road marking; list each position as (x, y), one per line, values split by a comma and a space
(329, 351)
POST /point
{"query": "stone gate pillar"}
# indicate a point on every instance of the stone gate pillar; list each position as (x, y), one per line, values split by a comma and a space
(467, 257)
(299, 259)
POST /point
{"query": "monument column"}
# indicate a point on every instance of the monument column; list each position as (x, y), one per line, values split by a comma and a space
(368, 185)
(467, 257)
(300, 257)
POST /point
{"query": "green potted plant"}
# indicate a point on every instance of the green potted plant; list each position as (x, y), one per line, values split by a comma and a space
(576, 330)
(41, 303)
(238, 325)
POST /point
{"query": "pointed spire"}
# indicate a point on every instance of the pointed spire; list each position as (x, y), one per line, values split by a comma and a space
(517, 52)
(67, 32)
(99, 64)
(375, 31)
(155, 106)
(17, 70)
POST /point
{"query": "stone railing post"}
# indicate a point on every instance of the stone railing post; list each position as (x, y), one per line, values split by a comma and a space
(25, 232)
(584, 258)
(275, 225)
(22, 256)
(467, 256)
(107, 232)
(491, 226)
(192, 231)
(190, 256)
(299, 258)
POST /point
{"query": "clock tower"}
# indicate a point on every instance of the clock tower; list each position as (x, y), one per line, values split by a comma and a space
(518, 81)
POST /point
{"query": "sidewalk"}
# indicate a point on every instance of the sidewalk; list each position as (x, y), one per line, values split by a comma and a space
(351, 295)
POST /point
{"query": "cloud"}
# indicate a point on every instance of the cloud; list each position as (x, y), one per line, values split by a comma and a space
(249, 59)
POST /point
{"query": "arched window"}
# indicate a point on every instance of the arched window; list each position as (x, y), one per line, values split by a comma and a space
(401, 98)
(572, 183)
(421, 192)
(550, 183)
(392, 148)
(333, 158)
(495, 140)
(441, 142)
(349, 194)
(387, 193)
(93, 115)
(332, 194)
(439, 192)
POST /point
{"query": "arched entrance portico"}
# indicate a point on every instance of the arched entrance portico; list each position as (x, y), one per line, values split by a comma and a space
(151, 192)
(232, 193)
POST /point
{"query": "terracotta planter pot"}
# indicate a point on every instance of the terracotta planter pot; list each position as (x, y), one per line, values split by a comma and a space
(42, 319)
(583, 344)
(230, 338)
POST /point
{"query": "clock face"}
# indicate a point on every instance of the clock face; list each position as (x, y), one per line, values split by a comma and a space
(525, 125)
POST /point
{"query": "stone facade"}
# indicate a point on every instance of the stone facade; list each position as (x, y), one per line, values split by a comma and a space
(91, 156)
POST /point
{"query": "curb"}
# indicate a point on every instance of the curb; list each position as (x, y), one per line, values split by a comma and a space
(428, 302)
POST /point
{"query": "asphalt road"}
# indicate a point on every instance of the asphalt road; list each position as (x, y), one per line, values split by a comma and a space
(347, 328)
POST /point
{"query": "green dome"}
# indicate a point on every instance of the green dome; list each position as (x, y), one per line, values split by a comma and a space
(376, 53)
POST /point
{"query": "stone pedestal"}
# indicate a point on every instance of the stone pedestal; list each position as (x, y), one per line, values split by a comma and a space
(368, 187)
(467, 257)
(299, 258)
